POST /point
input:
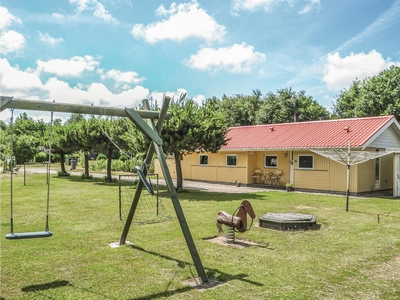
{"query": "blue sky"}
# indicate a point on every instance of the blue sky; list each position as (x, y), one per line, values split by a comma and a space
(117, 52)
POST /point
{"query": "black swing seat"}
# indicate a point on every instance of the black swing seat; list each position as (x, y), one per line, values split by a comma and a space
(144, 180)
(28, 235)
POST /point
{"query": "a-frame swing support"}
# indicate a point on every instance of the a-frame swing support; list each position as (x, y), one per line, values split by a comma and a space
(150, 130)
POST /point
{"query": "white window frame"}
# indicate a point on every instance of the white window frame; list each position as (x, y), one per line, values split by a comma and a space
(200, 164)
(231, 166)
(270, 167)
(298, 162)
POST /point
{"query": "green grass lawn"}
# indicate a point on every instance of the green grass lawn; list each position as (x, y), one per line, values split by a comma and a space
(352, 256)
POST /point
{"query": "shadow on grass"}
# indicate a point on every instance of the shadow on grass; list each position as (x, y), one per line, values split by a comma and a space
(94, 180)
(211, 273)
(45, 286)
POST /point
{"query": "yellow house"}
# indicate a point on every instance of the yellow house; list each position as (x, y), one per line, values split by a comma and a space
(277, 154)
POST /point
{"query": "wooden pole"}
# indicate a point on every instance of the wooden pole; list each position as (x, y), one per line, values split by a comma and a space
(23, 104)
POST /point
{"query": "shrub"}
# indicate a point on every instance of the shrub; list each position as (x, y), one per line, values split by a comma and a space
(41, 157)
(123, 158)
(101, 156)
(61, 174)
(84, 176)
(101, 165)
(117, 165)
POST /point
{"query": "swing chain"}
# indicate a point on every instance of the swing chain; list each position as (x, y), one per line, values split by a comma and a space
(11, 171)
(48, 173)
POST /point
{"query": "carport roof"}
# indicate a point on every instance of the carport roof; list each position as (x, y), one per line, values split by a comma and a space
(309, 135)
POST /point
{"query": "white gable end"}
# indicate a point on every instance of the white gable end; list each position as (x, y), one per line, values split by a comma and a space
(387, 139)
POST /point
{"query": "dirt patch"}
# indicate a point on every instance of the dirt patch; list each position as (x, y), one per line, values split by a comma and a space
(239, 243)
(196, 283)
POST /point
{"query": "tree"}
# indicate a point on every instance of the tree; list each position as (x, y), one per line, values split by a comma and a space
(375, 96)
(282, 106)
(193, 128)
(241, 109)
(62, 141)
(27, 137)
(112, 138)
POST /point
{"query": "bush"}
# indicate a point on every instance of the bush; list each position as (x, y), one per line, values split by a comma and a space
(101, 156)
(101, 165)
(84, 176)
(61, 174)
(117, 165)
(41, 157)
(123, 157)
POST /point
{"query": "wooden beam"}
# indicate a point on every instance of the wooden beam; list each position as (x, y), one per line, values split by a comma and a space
(40, 105)
(134, 116)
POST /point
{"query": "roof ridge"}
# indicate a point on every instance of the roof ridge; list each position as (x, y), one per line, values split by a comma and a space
(315, 121)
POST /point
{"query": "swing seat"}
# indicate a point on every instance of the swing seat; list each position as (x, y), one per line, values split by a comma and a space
(144, 180)
(28, 235)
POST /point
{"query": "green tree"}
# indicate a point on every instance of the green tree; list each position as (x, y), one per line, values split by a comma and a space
(27, 137)
(374, 96)
(241, 110)
(62, 142)
(193, 128)
(112, 138)
(282, 106)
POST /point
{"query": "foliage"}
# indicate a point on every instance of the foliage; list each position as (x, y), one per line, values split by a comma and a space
(41, 157)
(61, 174)
(282, 107)
(101, 156)
(123, 158)
(241, 110)
(193, 128)
(85, 176)
(375, 96)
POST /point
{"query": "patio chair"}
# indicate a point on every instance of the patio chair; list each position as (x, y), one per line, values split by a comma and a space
(276, 177)
(257, 175)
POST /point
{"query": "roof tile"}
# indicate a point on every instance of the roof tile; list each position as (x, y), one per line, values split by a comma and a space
(305, 135)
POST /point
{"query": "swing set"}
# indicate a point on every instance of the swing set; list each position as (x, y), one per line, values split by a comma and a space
(150, 129)
(28, 235)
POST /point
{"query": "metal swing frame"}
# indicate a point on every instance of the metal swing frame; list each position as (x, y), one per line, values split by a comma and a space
(151, 130)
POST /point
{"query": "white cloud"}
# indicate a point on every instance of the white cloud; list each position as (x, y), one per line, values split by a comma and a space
(96, 7)
(6, 19)
(183, 21)
(45, 37)
(18, 83)
(95, 93)
(267, 5)
(11, 41)
(121, 78)
(174, 95)
(341, 72)
(73, 67)
(58, 16)
(312, 4)
(235, 59)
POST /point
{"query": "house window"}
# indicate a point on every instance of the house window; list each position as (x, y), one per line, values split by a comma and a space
(203, 160)
(271, 161)
(231, 160)
(306, 162)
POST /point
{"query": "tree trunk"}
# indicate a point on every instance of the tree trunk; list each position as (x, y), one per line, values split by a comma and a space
(62, 162)
(179, 180)
(86, 163)
(109, 159)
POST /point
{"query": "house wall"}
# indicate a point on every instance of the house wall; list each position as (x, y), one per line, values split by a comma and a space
(327, 174)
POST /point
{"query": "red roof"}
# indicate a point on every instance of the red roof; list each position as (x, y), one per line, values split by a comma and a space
(306, 135)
